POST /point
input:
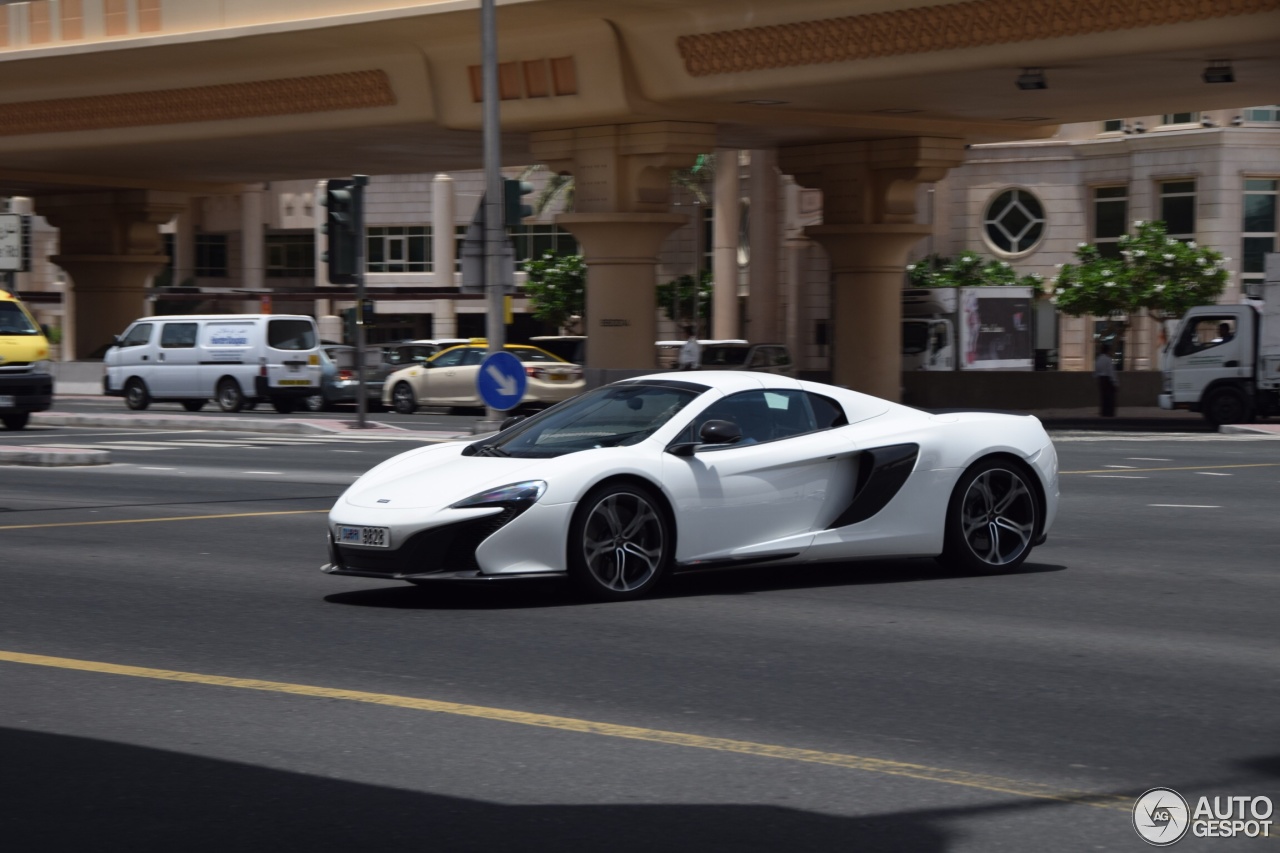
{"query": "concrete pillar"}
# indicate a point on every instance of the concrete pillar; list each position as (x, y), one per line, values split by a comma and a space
(622, 214)
(110, 247)
(763, 308)
(444, 319)
(869, 225)
(252, 240)
(724, 253)
(184, 245)
(444, 247)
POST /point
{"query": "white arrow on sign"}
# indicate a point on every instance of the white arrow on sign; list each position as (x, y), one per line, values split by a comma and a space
(506, 384)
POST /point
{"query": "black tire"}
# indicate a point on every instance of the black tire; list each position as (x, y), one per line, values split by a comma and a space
(229, 396)
(317, 403)
(1227, 406)
(402, 399)
(620, 542)
(993, 518)
(136, 395)
(16, 421)
(283, 405)
(250, 403)
(193, 405)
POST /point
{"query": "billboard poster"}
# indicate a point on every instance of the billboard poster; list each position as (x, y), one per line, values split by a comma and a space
(995, 328)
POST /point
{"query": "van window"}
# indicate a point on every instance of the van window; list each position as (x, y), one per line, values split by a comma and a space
(178, 335)
(137, 336)
(14, 321)
(291, 334)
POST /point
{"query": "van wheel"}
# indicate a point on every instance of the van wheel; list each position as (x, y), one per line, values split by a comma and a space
(317, 403)
(17, 421)
(283, 405)
(230, 397)
(136, 396)
(193, 405)
(1227, 406)
(402, 399)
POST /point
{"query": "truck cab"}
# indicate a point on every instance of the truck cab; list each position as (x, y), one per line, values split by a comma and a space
(26, 378)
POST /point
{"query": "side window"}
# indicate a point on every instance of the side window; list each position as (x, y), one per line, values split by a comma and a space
(1205, 333)
(137, 336)
(473, 358)
(827, 413)
(449, 358)
(764, 415)
(178, 335)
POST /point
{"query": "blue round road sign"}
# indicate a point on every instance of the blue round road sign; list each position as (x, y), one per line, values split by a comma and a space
(501, 381)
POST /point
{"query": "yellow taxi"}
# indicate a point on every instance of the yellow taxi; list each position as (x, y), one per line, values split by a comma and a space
(26, 376)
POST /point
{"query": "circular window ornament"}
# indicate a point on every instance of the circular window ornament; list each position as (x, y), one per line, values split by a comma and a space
(1014, 222)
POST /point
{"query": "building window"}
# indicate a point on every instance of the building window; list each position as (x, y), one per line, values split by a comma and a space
(1110, 219)
(535, 240)
(1259, 230)
(291, 255)
(1267, 114)
(1180, 118)
(1113, 125)
(211, 256)
(1014, 222)
(1178, 209)
(399, 248)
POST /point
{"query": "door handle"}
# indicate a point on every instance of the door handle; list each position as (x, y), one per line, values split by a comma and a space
(160, 357)
(145, 357)
(1231, 364)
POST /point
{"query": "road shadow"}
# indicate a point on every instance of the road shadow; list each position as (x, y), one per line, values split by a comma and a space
(556, 592)
(65, 793)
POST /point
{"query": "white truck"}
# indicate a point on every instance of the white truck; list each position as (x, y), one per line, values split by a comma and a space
(1224, 360)
(993, 323)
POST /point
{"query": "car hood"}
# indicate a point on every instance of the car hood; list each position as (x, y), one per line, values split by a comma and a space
(435, 477)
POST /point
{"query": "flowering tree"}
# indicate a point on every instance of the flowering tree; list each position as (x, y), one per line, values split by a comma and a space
(1154, 271)
(556, 288)
(967, 270)
(676, 298)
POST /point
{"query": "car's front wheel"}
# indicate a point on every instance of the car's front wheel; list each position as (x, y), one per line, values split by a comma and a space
(403, 400)
(15, 421)
(136, 396)
(619, 542)
(992, 518)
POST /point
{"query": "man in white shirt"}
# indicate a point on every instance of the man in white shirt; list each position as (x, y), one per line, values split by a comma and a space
(691, 352)
(1104, 371)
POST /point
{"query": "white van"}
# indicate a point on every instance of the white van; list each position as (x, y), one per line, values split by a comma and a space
(235, 359)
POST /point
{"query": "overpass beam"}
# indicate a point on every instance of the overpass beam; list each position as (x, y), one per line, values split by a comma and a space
(868, 227)
(622, 198)
(110, 247)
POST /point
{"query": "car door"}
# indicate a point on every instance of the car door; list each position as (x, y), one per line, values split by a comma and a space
(131, 356)
(768, 493)
(435, 384)
(177, 361)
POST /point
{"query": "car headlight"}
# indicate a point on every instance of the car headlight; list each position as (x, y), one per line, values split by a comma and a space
(516, 494)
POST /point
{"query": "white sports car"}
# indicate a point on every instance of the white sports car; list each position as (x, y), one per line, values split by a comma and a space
(621, 485)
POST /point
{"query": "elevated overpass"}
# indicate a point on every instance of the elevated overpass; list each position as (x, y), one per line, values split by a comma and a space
(114, 112)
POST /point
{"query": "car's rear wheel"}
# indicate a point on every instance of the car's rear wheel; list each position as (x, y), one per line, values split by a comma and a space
(283, 405)
(136, 396)
(620, 542)
(992, 518)
(317, 403)
(15, 421)
(403, 400)
(193, 405)
(230, 397)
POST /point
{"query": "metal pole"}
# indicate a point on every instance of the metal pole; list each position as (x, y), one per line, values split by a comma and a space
(697, 266)
(494, 231)
(357, 204)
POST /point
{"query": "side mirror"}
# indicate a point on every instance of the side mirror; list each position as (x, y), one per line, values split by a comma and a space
(720, 432)
(511, 421)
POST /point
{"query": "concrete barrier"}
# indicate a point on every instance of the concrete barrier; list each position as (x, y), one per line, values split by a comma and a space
(1023, 390)
(78, 377)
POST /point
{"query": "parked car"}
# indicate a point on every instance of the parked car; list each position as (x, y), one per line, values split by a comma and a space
(647, 476)
(739, 355)
(668, 352)
(404, 353)
(571, 348)
(340, 383)
(449, 379)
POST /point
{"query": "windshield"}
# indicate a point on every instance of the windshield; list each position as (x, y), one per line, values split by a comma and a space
(720, 356)
(14, 321)
(915, 337)
(613, 416)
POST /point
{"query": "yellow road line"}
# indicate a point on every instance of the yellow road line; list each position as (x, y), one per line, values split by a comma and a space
(568, 724)
(153, 520)
(1185, 468)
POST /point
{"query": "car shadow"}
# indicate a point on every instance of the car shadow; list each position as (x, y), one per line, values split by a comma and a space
(555, 592)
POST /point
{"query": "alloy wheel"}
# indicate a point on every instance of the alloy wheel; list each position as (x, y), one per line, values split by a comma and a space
(998, 517)
(623, 542)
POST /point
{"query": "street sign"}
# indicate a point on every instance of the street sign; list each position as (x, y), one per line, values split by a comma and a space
(12, 256)
(501, 381)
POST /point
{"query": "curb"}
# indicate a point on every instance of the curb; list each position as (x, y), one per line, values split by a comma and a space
(1252, 429)
(287, 427)
(52, 457)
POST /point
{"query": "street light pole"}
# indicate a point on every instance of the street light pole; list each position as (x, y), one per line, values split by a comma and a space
(494, 230)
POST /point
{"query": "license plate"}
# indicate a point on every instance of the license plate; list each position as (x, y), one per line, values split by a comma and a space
(7, 400)
(372, 537)
(557, 377)
(295, 381)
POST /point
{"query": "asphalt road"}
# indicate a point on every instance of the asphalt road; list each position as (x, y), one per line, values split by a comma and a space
(175, 673)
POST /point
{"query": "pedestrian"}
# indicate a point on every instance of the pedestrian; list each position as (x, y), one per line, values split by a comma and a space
(691, 352)
(1104, 371)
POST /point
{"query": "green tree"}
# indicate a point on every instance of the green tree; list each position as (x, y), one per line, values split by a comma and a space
(676, 298)
(556, 287)
(1154, 272)
(967, 270)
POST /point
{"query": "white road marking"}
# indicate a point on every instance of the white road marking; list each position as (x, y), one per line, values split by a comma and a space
(1120, 466)
(1148, 459)
(1114, 477)
(1188, 506)
(277, 473)
(346, 451)
(1212, 474)
(152, 468)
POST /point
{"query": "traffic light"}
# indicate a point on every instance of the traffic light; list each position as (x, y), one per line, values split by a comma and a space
(341, 229)
(512, 209)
